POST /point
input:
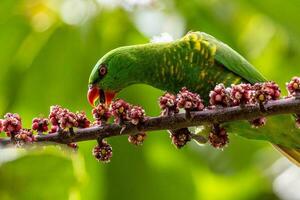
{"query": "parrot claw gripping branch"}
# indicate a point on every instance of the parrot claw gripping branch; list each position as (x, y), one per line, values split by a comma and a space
(242, 102)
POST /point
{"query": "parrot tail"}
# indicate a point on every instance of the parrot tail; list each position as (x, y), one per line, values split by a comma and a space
(292, 154)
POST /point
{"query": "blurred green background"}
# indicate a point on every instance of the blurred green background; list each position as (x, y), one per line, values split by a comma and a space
(47, 50)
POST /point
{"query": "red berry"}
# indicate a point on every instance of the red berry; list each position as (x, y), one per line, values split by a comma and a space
(40, 124)
(119, 110)
(67, 119)
(11, 123)
(264, 92)
(272, 89)
(82, 120)
(62, 117)
(168, 104)
(180, 137)
(189, 101)
(293, 86)
(136, 115)
(220, 96)
(103, 152)
(137, 139)
(218, 137)
(101, 113)
(241, 94)
(54, 115)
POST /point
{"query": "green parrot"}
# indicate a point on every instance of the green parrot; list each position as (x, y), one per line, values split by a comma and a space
(197, 61)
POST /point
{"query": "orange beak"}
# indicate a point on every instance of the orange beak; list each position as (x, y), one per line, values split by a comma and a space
(95, 93)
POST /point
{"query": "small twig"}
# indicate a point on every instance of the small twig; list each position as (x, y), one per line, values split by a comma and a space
(177, 121)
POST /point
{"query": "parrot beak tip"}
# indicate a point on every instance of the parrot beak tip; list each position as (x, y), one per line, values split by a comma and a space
(95, 93)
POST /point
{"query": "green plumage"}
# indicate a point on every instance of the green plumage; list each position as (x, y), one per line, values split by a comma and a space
(197, 61)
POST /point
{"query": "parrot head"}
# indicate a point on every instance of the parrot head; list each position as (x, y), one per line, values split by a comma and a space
(110, 75)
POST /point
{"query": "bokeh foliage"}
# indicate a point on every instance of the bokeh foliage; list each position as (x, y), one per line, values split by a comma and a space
(48, 49)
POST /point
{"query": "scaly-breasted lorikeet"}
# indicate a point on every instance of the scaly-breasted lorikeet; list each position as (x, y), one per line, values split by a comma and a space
(197, 61)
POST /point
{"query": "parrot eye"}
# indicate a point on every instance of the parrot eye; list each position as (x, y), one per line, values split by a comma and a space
(102, 70)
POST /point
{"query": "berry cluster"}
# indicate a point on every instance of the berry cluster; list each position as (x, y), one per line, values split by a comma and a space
(218, 137)
(125, 112)
(103, 151)
(60, 120)
(62, 117)
(11, 124)
(264, 92)
(219, 96)
(120, 109)
(180, 137)
(189, 101)
(236, 95)
(293, 86)
(82, 120)
(101, 114)
(243, 93)
(40, 124)
(170, 104)
(240, 94)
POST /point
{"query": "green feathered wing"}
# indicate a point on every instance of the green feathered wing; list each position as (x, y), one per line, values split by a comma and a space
(240, 66)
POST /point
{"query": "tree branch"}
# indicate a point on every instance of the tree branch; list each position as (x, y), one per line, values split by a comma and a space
(213, 116)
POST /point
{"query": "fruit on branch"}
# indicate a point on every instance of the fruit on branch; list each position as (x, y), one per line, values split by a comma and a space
(40, 124)
(168, 104)
(189, 101)
(264, 92)
(218, 137)
(11, 124)
(219, 96)
(240, 94)
(180, 137)
(54, 115)
(103, 151)
(293, 86)
(67, 119)
(119, 109)
(101, 113)
(82, 120)
(136, 115)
